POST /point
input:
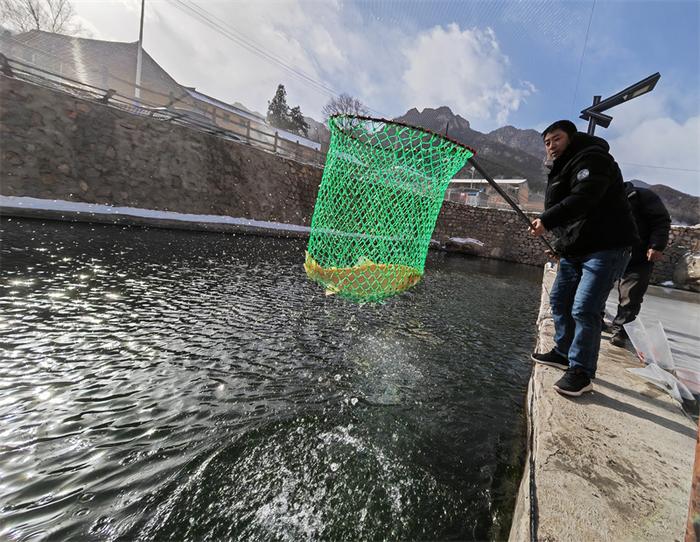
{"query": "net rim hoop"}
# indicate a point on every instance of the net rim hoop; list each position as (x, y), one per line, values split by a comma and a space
(399, 123)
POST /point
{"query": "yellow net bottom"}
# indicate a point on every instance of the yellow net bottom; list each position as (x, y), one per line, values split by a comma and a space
(366, 280)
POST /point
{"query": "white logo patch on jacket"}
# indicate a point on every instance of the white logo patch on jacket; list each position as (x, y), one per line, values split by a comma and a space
(583, 174)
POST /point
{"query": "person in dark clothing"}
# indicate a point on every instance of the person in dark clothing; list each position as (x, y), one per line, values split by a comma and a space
(587, 212)
(653, 223)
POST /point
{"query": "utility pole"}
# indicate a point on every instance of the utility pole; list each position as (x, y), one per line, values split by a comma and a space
(139, 56)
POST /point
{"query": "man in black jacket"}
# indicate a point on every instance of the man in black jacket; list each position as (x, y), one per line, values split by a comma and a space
(589, 216)
(653, 223)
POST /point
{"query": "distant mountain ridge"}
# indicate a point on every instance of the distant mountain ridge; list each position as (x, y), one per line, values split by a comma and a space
(510, 152)
(498, 158)
(529, 141)
(683, 208)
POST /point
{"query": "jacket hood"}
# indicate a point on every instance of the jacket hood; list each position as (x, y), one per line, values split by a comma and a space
(580, 142)
(583, 140)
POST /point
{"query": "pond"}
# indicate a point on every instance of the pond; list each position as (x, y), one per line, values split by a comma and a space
(162, 384)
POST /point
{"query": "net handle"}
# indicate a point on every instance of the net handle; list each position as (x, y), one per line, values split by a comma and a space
(508, 199)
(403, 124)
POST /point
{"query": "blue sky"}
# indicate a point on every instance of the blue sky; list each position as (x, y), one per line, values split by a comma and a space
(507, 62)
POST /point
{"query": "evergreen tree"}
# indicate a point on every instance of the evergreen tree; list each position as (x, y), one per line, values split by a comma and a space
(278, 110)
(281, 116)
(298, 124)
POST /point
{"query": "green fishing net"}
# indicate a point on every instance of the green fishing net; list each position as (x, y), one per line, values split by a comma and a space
(382, 189)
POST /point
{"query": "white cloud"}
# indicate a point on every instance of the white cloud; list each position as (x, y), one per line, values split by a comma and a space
(232, 72)
(658, 130)
(327, 51)
(195, 53)
(465, 70)
(663, 143)
(390, 67)
(629, 115)
(326, 41)
(110, 20)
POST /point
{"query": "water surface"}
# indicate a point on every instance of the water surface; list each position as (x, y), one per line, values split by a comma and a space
(163, 384)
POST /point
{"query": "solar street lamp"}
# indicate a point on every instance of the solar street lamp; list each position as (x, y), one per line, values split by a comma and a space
(594, 114)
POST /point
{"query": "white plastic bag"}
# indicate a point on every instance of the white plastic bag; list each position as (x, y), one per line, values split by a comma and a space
(652, 347)
(659, 345)
(664, 380)
(690, 378)
(640, 340)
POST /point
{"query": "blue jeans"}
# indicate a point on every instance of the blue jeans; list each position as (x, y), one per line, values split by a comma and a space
(577, 300)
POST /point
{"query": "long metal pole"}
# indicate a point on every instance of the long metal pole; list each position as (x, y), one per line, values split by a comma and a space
(506, 197)
(139, 55)
(591, 121)
(693, 524)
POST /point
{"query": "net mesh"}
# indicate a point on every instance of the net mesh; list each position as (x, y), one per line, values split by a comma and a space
(381, 192)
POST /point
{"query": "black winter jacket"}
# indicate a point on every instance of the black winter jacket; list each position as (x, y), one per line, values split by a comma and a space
(653, 221)
(585, 204)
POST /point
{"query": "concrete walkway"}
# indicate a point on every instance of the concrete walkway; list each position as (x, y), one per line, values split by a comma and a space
(679, 313)
(614, 465)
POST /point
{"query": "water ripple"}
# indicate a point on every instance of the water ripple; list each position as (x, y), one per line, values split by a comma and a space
(160, 384)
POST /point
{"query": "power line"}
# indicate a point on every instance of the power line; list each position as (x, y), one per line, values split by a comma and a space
(207, 18)
(583, 54)
(661, 167)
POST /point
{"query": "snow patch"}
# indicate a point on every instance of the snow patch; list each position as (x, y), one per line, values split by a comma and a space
(23, 202)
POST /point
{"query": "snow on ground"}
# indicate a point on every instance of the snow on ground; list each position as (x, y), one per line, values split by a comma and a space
(23, 202)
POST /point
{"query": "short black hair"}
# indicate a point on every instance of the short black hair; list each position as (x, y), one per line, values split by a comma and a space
(565, 125)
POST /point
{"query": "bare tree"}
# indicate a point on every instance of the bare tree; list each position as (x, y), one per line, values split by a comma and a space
(344, 105)
(50, 15)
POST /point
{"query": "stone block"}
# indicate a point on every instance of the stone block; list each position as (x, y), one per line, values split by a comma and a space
(37, 119)
(13, 158)
(686, 274)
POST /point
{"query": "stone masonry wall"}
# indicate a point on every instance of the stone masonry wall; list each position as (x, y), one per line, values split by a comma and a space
(681, 240)
(504, 233)
(56, 146)
(505, 237)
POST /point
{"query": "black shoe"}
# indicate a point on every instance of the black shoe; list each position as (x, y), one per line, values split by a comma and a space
(619, 338)
(575, 382)
(553, 359)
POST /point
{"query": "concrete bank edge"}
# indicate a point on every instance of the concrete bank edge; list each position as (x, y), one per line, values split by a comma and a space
(148, 222)
(613, 465)
(525, 512)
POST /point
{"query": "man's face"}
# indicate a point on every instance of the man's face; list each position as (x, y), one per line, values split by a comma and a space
(556, 142)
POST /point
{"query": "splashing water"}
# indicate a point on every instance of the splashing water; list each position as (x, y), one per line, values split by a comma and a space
(160, 384)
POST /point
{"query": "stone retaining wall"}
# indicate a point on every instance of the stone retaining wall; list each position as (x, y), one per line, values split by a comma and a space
(504, 233)
(57, 146)
(681, 240)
